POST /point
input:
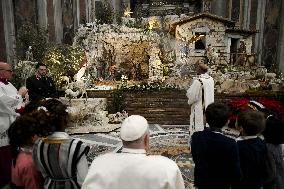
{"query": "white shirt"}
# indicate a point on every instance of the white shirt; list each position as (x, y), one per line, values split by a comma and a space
(133, 169)
(246, 137)
(9, 101)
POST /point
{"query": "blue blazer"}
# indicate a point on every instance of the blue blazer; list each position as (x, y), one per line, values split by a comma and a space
(216, 159)
(252, 159)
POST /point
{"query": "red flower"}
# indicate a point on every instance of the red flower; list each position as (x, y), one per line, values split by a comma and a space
(273, 105)
(237, 105)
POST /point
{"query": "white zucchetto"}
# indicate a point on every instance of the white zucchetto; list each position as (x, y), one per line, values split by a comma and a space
(133, 128)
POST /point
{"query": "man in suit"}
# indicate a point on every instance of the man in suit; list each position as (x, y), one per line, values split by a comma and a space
(216, 156)
(41, 86)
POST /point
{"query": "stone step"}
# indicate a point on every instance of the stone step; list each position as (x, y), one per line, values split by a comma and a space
(161, 107)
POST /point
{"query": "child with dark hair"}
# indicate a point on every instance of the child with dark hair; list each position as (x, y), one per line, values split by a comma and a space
(252, 149)
(22, 134)
(215, 155)
(60, 158)
(274, 136)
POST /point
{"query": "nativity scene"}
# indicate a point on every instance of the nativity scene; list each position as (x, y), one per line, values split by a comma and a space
(169, 68)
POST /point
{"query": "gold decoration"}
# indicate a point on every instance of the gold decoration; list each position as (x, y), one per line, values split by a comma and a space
(127, 12)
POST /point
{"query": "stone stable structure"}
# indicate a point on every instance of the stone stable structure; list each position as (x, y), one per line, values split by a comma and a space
(204, 35)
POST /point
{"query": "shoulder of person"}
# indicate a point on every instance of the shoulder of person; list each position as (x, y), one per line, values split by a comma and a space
(75, 141)
(31, 78)
(161, 159)
(195, 80)
(102, 159)
(25, 160)
(199, 133)
(161, 164)
(205, 76)
(106, 155)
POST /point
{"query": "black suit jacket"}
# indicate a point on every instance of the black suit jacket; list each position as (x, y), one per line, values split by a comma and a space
(252, 159)
(216, 159)
(40, 88)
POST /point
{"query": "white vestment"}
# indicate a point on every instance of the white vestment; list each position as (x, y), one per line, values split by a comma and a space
(9, 101)
(133, 169)
(200, 94)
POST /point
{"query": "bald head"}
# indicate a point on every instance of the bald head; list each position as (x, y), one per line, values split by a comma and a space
(5, 71)
(202, 68)
(4, 66)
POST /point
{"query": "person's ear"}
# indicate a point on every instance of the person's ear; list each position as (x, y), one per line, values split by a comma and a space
(227, 123)
(239, 128)
(147, 141)
(34, 138)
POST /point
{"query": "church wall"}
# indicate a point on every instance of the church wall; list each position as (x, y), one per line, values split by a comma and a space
(235, 12)
(68, 21)
(220, 8)
(25, 12)
(253, 14)
(2, 37)
(281, 41)
(50, 15)
(271, 33)
(253, 20)
(82, 11)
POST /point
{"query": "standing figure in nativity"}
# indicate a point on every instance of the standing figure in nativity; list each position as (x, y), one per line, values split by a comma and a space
(155, 64)
(211, 55)
(242, 54)
(184, 50)
(101, 66)
(113, 73)
(29, 54)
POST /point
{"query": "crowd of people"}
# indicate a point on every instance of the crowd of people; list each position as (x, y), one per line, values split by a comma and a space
(36, 152)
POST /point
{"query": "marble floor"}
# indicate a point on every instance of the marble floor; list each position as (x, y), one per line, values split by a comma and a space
(167, 140)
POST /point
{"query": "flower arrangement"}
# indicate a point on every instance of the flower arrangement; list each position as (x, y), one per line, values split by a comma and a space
(155, 86)
(240, 104)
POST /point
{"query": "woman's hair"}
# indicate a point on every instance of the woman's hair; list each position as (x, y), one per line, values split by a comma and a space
(31, 106)
(57, 112)
(25, 127)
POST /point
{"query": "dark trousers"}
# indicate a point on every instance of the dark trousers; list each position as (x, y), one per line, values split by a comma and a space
(5, 165)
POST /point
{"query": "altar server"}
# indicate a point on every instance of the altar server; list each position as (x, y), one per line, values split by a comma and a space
(60, 158)
(200, 94)
(133, 168)
(10, 100)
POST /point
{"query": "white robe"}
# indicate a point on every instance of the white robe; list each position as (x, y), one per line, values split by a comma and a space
(133, 169)
(194, 95)
(9, 101)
